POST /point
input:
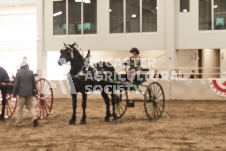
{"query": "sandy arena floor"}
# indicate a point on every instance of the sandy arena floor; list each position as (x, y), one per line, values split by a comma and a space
(185, 125)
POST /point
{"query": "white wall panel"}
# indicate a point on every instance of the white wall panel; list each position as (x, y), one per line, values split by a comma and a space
(4, 3)
(174, 90)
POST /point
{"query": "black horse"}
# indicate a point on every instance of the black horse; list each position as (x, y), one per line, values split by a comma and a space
(4, 78)
(79, 69)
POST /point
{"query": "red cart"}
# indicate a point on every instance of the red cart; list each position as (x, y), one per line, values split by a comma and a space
(43, 100)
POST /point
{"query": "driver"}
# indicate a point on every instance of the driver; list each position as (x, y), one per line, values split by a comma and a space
(135, 63)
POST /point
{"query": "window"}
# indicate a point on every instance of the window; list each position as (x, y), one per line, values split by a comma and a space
(149, 16)
(74, 17)
(116, 16)
(59, 17)
(212, 14)
(82, 17)
(184, 6)
(136, 16)
(90, 17)
(205, 12)
(219, 14)
(132, 16)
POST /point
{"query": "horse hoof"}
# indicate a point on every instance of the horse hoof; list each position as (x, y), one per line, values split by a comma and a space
(2, 119)
(71, 123)
(83, 122)
(106, 120)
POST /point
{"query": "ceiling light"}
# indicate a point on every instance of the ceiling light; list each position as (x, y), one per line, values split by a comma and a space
(57, 14)
(134, 16)
(85, 1)
(185, 10)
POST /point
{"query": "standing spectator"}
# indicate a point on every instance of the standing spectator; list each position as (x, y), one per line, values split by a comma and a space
(193, 75)
(157, 75)
(25, 87)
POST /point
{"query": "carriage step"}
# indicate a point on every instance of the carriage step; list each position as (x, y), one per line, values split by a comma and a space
(131, 104)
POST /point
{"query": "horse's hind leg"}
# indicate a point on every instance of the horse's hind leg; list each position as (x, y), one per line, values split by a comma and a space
(84, 98)
(113, 106)
(107, 102)
(2, 117)
(74, 106)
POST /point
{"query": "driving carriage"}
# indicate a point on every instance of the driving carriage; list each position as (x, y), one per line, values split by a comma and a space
(153, 96)
(43, 100)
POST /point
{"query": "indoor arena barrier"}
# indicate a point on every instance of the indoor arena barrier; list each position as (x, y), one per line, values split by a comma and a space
(183, 89)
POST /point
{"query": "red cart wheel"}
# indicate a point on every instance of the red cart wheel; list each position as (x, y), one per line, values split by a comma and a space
(10, 106)
(44, 99)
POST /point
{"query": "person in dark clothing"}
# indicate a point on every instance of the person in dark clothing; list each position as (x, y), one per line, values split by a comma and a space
(25, 87)
(157, 75)
(193, 75)
(4, 78)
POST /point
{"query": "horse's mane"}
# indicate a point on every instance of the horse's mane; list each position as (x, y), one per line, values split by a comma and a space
(77, 62)
(4, 77)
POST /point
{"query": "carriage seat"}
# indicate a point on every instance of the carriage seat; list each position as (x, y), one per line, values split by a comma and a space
(138, 79)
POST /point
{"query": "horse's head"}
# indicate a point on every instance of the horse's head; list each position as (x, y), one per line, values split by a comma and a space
(72, 55)
(66, 54)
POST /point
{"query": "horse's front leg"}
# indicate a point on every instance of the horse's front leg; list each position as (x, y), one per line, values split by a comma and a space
(2, 117)
(107, 102)
(74, 106)
(84, 99)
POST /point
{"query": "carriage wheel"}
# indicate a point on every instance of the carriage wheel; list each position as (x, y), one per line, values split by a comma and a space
(154, 101)
(121, 103)
(43, 99)
(10, 106)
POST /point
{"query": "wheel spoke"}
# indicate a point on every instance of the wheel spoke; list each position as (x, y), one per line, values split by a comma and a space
(159, 109)
(6, 107)
(150, 110)
(157, 112)
(46, 85)
(11, 104)
(159, 104)
(121, 103)
(10, 109)
(45, 109)
(158, 91)
(159, 96)
(121, 107)
(39, 92)
(37, 105)
(47, 105)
